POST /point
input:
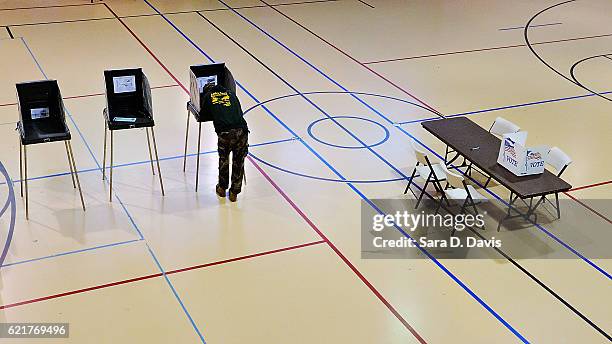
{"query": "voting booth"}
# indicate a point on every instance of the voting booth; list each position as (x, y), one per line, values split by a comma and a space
(518, 159)
(42, 118)
(128, 106)
(199, 77)
(128, 99)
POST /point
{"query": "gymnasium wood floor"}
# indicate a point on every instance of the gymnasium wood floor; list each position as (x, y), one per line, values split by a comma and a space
(283, 264)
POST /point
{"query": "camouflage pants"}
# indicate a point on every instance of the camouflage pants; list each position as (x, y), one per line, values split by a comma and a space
(235, 141)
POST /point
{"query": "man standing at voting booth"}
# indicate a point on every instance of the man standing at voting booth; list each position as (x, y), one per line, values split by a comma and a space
(233, 136)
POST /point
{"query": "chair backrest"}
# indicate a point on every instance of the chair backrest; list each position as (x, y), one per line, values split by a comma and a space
(558, 160)
(421, 156)
(455, 180)
(503, 126)
(127, 93)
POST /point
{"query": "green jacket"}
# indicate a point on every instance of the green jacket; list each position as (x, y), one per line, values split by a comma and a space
(224, 107)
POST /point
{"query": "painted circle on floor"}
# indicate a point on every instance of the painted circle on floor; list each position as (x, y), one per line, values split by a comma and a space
(385, 134)
(558, 9)
(336, 121)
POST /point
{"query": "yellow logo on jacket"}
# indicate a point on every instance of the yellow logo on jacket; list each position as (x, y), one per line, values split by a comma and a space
(220, 98)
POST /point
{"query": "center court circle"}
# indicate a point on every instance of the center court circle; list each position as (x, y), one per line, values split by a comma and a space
(262, 105)
(385, 132)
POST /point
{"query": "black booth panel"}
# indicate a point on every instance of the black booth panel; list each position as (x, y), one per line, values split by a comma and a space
(41, 112)
(133, 103)
(224, 78)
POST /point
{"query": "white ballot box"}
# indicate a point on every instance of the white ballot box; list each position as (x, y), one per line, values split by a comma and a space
(519, 160)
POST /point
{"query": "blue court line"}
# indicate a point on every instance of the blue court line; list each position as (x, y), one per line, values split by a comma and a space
(522, 27)
(588, 261)
(507, 107)
(146, 161)
(450, 274)
(93, 156)
(71, 252)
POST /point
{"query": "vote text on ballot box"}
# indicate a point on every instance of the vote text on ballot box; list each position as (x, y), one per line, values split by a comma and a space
(516, 158)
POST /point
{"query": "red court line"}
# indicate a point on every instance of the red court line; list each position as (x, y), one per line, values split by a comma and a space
(296, 208)
(354, 59)
(590, 186)
(94, 94)
(201, 266)
(485, 49)
(159, 274)
(147, 49)
(342, 256)
(406, 92)
(589, 208)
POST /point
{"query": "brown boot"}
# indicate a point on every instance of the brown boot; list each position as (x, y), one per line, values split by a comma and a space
(220, 191)
(232, 196)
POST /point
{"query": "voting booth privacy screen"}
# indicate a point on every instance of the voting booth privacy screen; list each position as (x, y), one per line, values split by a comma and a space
(41, 112)
(200, 75)
(128, 99)
(516, 158)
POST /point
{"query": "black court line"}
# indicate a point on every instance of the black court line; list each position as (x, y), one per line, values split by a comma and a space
(488, 49)
(522, 27)
(61, 21)
(166, 13)
(573, 72)
(530, 46)
(8, 29)
(365, 3)
(499, 251)
(537, 281)
(225, 9)
(43, 7)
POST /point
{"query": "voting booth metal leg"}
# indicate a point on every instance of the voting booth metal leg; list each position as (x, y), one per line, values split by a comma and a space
(186, 139)
(70, 164)
(161, 183)
(25, 172)
(21, 166)
(104, 155)
(198, 155)
(150, 155)
(76, 174)
(110, 189)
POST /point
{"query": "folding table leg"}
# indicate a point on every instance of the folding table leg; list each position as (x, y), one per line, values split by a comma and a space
(150, 155)
(72, 170)
(186, 139)
(512, 200)
(110, 189)
(25, 171)
(76, 174)
(104, 155)
(558, 207)
(198, 156)
(161, 183)
(21, 166)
